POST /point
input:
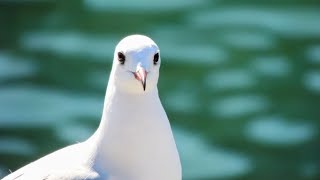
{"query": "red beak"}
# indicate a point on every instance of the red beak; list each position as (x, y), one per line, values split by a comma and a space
(141, 75)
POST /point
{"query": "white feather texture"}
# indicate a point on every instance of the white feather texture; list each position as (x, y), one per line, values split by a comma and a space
(134, 140)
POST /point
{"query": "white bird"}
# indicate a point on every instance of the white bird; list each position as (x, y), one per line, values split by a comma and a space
(134, 140)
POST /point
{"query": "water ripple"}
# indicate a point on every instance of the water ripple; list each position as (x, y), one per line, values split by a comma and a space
(248, 40)
(183, 101)
(230, 79)
(295, 21)
(313, 54)
(141, 5)
(194, 54)
(311, 81)
(279, 131)
(271, 66)
(17, 146)
(29, 106)
(201, 161)
(70, 44)
(239, 105)
(12, 66)
(74, 132)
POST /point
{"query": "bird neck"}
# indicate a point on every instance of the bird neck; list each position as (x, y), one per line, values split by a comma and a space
(128, 108)
(127, 117)
(134, 137)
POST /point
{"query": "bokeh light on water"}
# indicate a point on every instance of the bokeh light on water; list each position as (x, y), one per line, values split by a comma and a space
(240, 81)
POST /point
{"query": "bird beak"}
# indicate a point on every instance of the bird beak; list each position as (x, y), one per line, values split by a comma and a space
(141, 75)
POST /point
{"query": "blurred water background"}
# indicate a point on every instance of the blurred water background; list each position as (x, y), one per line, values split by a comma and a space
(240, 80)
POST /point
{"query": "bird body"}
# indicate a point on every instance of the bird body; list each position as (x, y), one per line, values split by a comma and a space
(134, 140)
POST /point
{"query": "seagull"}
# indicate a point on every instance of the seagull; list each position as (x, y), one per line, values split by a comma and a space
(134, 140)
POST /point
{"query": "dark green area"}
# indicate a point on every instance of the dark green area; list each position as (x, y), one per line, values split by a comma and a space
(287, 95)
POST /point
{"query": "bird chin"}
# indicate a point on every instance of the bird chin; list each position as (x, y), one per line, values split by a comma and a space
(135, 87)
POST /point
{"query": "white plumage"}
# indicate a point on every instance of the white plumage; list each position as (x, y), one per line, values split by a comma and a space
(134, 140)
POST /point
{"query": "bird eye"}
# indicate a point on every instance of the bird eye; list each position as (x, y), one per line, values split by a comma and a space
(121, 57)
(156, 58)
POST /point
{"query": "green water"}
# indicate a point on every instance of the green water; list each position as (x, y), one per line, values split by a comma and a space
(240, 81)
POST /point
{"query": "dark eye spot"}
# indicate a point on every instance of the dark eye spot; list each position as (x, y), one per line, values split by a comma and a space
(155, 58)
(121, 57)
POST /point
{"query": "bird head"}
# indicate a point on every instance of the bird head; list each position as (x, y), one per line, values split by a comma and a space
(136, 64)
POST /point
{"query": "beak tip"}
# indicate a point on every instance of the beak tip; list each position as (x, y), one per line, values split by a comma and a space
(144, 86)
